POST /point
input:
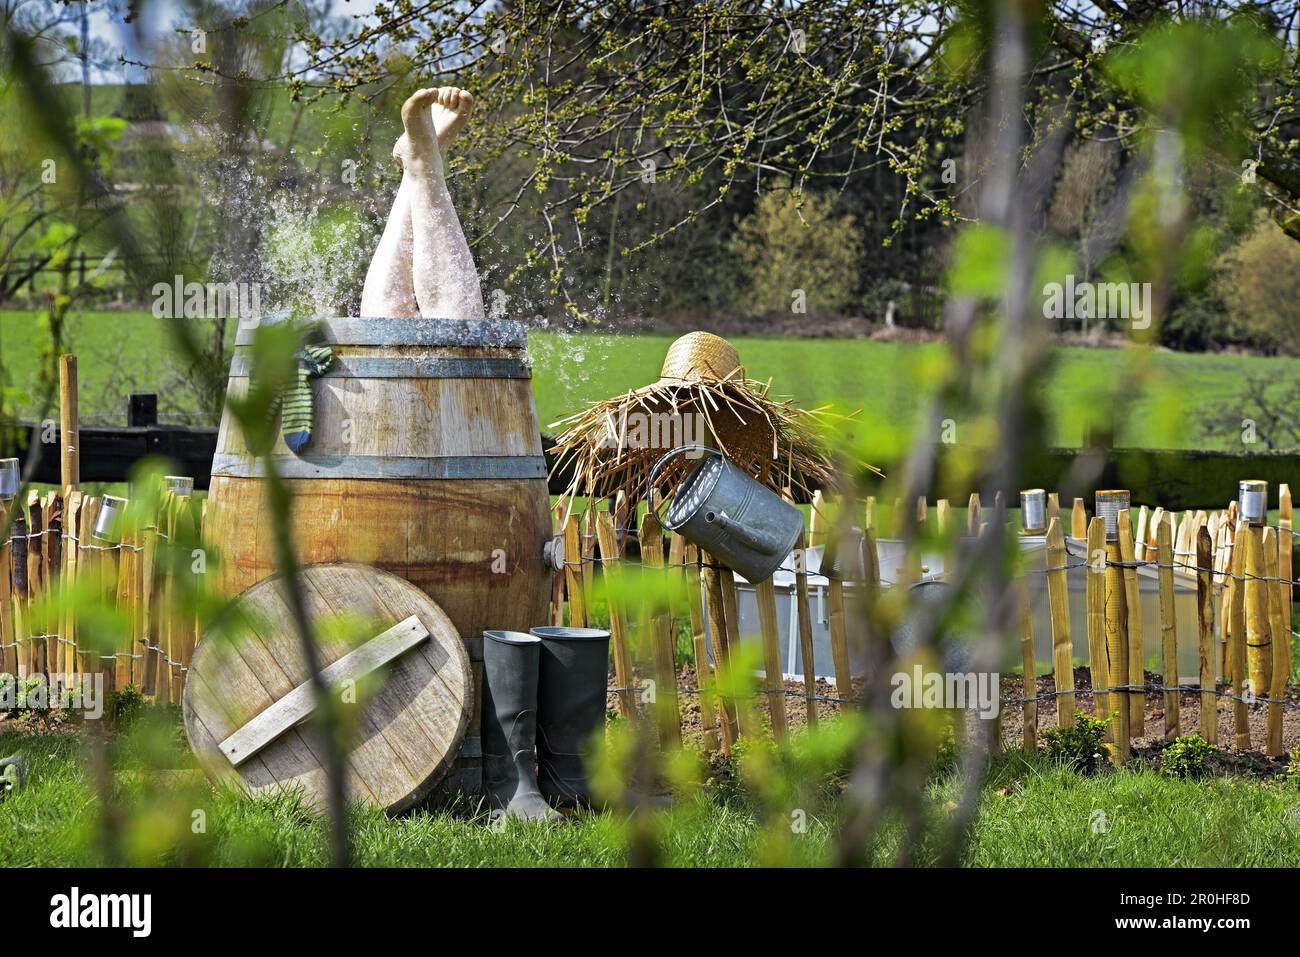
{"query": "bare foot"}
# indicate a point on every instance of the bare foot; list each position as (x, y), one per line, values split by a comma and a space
(449, 111)
(420, 141)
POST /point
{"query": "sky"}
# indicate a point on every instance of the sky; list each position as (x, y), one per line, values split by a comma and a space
(158, 18)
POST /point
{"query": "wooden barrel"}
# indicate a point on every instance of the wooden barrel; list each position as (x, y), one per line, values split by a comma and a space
(425, 460)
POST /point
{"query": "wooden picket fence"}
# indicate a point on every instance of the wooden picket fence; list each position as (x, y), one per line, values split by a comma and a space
(51, 552)
(1244, 582)
(1243, 576)
(1242, 573)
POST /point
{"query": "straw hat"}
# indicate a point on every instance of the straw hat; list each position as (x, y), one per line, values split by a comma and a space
(697, 356)
(702, 397)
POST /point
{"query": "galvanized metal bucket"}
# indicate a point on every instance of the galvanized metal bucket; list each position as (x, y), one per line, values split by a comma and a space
(729, 515)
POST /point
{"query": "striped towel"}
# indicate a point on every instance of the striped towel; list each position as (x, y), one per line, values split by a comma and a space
(296, 404)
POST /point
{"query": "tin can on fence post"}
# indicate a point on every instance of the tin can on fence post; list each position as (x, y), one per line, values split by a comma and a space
(1110, 503)
(108, 523)
(1252, 501)
(1033, 511)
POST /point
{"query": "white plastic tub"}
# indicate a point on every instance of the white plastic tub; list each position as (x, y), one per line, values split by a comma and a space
(891, 554)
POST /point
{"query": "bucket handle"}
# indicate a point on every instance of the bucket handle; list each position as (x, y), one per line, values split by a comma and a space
(654, 471)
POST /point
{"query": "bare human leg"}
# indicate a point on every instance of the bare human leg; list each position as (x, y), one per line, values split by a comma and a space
(390, 288)
(442, 268)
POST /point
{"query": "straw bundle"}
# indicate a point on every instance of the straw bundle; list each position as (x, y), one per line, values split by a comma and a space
(703, 383)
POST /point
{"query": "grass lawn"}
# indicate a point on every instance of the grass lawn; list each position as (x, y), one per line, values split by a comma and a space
(123, 352)
(1032, 813)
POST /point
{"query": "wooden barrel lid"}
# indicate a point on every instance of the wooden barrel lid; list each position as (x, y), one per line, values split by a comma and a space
(406, 733)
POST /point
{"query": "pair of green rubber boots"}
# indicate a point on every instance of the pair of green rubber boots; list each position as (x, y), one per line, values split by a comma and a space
(543, 700)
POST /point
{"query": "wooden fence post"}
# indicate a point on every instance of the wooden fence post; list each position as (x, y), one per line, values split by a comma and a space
(1117, 651)
(139, 663)
(1148, 544)
(1259, 650)
(804, 615)
(839, 641)
(1228, 594)
(182, 629)
(558, 579)
(573, 572)
(1168, 630)
(1285, 571)
(662, 637)
(8, 653)
(612, 572)
(72, 507)
(589, 539)
(1237, 616)
(1140, 540)
(765, 593)
(1133, 627)
(53, 549)
(731, 621)
(18, 565)
(1030, 684)
(167, 625)
(69, 424)
(817, 519)
(1205, 625)
(1059, 602)
(717, 620)
(1280, 632)
(88, 571)
(1182, 529)
(690, 558)
(624, 520)
(1095, 593)
(35, 621)
(1079, 519)
(154, 666)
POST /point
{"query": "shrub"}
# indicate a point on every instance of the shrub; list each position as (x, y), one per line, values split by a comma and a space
(1259, 280)
(1186, 757)
(795, 242)
(1080, 746)
(946, 757)
(126, 705)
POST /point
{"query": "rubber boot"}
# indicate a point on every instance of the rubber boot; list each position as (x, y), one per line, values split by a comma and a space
(571, 692)
(13, 775)
(510, 662)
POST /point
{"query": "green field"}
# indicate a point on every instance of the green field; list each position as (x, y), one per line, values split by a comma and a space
(121, 352)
